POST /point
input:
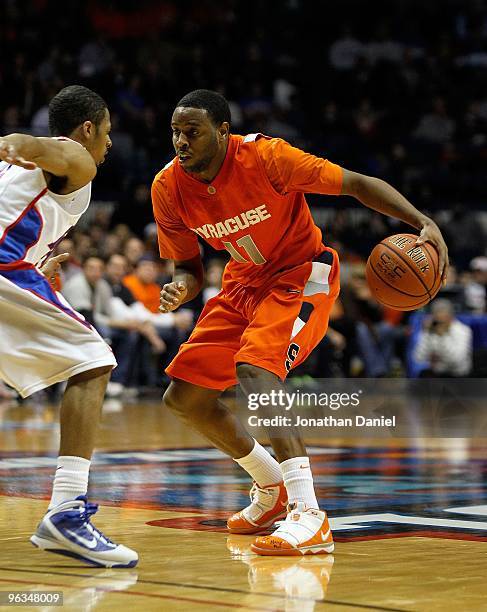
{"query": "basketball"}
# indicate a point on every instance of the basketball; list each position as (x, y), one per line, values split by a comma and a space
(403, 275)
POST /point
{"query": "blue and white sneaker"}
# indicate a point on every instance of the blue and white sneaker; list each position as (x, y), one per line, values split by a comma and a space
(67, 530)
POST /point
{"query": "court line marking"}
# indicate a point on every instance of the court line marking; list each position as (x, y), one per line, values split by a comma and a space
(211, 588)
(142, 594)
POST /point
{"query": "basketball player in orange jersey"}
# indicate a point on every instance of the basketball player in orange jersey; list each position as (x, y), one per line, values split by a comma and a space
(245, 195)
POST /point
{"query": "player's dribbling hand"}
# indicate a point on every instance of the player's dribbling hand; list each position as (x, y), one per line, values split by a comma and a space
(172, 296)
(9, 154)
(431, 233)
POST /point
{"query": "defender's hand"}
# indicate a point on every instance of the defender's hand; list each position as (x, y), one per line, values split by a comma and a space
(9, 154)
(52, 267)
(172, 296)
(431, 233)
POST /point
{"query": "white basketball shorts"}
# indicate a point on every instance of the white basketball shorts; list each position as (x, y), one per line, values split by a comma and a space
(42, 339)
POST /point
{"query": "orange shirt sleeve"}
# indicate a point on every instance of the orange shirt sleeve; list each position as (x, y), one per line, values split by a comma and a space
(176, 240)
(290, 169)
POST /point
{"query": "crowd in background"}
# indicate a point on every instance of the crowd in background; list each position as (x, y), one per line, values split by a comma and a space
(397, 90)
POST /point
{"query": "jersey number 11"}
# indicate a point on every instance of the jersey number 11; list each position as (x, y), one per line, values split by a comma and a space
(249, 247)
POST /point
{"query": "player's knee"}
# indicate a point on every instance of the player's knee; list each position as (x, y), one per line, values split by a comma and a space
(101, 372)
(175, 401)
(247, 370)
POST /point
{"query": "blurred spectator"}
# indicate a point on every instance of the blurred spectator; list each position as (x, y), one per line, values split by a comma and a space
(90, 295)
(143, 283)
(383, 47)
(444, 344)
(345, 52)
(337, 349)
(436, 127)
(173, 328)
(375, 337)
(476, 286)
(125, 306)
(133, 251)
(213, 279)
(71, 266)
(95, 57)
(453, 289)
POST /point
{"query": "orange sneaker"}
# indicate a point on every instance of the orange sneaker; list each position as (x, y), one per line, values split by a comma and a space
(268, 504)
(305, 531)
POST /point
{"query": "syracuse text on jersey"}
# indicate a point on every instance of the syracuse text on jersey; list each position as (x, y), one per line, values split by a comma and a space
(234, 224)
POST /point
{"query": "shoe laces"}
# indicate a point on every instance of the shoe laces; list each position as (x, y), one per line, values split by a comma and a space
(81, 518)
(260, 496)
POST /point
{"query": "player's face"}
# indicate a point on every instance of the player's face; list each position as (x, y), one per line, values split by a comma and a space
(196, 139)
(100, 142)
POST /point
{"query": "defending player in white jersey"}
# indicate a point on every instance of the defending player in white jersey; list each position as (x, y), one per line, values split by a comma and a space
(45, 186)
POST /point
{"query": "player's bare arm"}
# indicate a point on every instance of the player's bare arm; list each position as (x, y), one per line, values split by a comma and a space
(382, 197)
(186, 284)
(58, 157)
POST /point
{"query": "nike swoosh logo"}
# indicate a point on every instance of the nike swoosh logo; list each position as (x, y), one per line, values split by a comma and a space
(88, 543)
(324, 537)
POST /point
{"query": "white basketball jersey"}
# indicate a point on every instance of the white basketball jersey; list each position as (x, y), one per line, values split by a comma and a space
(33, 220)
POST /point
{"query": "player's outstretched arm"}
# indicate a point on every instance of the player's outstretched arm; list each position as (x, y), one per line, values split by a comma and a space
(187, 282)
(58, 157)
(382, 197)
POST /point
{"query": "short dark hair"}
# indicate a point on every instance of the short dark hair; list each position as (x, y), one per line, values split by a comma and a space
(92, 255)
(72, 106)
(147, 257)
(214, 103)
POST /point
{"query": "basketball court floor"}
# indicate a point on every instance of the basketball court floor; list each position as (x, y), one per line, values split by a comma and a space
(410, 521)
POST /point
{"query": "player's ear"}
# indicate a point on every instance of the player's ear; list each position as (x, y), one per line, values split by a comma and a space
(88, 129)
(224, 129)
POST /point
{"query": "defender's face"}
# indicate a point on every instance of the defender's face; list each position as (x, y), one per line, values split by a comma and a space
(100, 142)
(195, 138)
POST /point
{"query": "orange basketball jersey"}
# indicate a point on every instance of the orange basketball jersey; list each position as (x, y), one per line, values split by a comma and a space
(254, 208)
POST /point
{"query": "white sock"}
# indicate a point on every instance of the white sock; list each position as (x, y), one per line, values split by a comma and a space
(298, 481)
(71, 479)
(261, 465)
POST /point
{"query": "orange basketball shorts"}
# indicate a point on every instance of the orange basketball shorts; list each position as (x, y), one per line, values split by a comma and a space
(274, 326)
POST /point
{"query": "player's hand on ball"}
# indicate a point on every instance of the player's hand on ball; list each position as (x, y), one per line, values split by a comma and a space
(431, 233)
(172, 296)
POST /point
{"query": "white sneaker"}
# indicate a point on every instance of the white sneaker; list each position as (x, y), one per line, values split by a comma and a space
(67, 530)
(305, 531)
